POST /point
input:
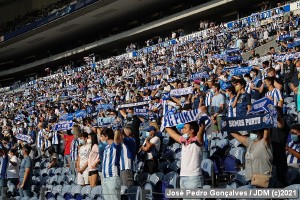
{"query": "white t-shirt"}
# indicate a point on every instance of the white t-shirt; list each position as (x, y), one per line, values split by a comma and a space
(156, 141)
(13, 171)
(84, 152)
(191, 157)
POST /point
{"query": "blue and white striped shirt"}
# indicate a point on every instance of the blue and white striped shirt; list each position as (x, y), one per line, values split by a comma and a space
(127, 154)
(208, 98)
(48, 142)
(291, 158)
(111, 160)
(276, 96)
(231, 110)
(55, 138)
(40, 139)
(74, 150)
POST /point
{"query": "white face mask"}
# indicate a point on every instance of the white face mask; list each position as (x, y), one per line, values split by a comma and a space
(89, 141)
(253, 136)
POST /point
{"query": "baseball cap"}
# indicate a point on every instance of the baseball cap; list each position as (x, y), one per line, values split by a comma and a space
(150, 128)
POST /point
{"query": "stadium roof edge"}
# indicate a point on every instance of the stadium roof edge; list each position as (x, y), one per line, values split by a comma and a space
(135, 31)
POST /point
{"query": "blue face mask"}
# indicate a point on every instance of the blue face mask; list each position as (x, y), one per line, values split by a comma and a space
(104, 142)
(295, 138)
(253, 136)
(129, 115)
(227, 95)
(147, 134)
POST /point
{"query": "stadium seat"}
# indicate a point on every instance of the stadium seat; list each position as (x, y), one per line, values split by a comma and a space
(44, 172)
(294, 187)
(239, 154)
(154, 178)
(171, 179)
(169, 155)
(174, 166)
(222, 143)
(96, 192)
(142, 178)
(230, 164)
(53, 180)
(207, 167)
(71, 179)
(51, 172)
(58, 171)
(66, 171)
(65, 189)
(162, 166)
(234, 143)
(133, 192)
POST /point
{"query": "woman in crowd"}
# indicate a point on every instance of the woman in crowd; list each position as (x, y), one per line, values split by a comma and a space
(259, 157)
(93, 159)
(13, 167)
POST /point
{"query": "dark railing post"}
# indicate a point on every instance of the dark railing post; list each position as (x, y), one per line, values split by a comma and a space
(144, 193)
(3, 192)
(43, 193)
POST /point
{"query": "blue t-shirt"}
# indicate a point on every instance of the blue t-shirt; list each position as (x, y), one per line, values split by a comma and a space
(241, 106)
(26, 163)
(254, 93)
(216, 102)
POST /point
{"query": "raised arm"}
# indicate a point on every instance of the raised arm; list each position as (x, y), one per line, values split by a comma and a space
(242, 139)
(118, 137)
(173, 134)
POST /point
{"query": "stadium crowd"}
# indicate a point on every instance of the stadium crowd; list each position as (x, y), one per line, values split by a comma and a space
(110, 124)
(32, 16)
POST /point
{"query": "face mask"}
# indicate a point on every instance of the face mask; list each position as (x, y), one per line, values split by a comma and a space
(227, 95)
(147, 134)
(295, 138)
(182, 99)
(212, 90)
(81, 142)
(253, 136)
(185, 136)
(104, 143)
(129, 115)
(237, 88)
(89, 141)
(298, 69)
(72, 132)
(251, 75)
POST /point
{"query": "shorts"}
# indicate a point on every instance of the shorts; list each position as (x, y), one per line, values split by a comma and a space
(91, 173)
(83, 179)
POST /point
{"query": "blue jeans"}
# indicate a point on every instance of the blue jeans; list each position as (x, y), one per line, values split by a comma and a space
(191, 182)
(24, 193)
(2, 184)
(112, 188)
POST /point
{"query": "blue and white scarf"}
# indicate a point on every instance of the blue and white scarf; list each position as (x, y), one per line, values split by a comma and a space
(63, 126)
(181, 91)
(171, 120)
(199, 75)
(130, 105)
(141, 111)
